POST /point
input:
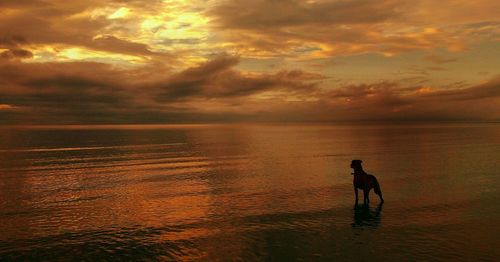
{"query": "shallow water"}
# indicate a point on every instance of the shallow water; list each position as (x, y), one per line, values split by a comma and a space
(248, 192)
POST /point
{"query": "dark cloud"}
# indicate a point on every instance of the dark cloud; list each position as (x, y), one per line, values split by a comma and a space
(392, 101)
(11, 40)
(490, 89)
(96, 92)
(19, 4)
(61, 92)
(114, 44)
(381, 91)
(217, 91)
(16, 53)
(12, 43)
(285, 13)
(439, 59)
(217, 78)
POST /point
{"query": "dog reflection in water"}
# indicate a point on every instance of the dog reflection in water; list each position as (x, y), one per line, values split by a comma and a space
(366, 217)
(365, 182)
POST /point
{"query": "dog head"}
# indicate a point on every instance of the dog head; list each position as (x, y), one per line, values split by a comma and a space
(355, 164)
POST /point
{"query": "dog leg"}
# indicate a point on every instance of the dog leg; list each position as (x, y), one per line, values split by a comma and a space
(381, 198)
(356, 194)
(366, 201)
(377, 190)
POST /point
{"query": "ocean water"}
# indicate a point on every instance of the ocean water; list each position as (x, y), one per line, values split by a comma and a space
(249, 192)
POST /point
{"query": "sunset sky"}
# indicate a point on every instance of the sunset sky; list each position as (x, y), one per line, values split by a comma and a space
(180, 61)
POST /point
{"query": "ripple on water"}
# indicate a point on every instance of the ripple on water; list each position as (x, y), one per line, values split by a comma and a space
(280, 193)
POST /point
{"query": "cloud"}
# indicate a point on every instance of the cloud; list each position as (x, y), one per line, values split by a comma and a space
(217, 91)
(16, 53)
(96, 92)
(124, 61)
(62, 24)
(7, 107)
(12, 43)
(263, 14)
(117, 45)
(439, 59)
(11, 40)
(392, 101)
(292, 28)
(388, 101)
(350, 27)
(55, 92)
(18, 4)
(218, 79)
(490, 89)
(384, 91)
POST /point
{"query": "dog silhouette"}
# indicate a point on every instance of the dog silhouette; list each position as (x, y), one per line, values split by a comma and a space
(365, 182)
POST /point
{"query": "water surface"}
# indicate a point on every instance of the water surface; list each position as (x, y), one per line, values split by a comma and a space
(251, 192)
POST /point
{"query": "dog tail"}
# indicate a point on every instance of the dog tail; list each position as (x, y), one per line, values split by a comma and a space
(376, 187)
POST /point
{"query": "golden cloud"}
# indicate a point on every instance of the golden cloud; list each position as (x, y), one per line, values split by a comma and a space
(116, 61)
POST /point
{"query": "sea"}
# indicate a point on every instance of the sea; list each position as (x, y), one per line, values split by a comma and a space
(249, 192)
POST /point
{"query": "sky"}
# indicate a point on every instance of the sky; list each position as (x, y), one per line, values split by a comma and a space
(181, 61)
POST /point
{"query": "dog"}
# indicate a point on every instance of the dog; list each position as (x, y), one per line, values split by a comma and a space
(364, 181)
